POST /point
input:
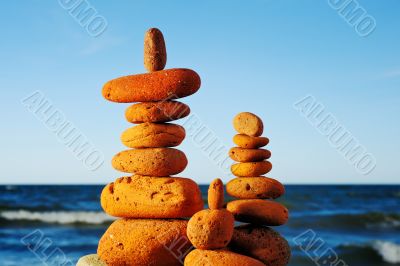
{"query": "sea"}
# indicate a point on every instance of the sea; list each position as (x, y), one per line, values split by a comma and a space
(329, 224)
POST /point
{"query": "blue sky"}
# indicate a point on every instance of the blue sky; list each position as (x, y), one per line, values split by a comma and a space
(258, 56)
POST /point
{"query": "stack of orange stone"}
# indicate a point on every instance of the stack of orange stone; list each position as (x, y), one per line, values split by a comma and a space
(151, 204)
(152, 207)
(211, 231)
(252, 189)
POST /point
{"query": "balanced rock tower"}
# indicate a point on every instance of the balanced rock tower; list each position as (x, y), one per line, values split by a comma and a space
(255, 193)
(210, 232)
(150, 203)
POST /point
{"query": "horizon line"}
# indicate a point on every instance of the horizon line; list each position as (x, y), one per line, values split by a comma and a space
(203, 184)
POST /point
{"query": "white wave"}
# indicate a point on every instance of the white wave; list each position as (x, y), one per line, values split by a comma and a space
(389, 251)
(388, 223)
(59, 217)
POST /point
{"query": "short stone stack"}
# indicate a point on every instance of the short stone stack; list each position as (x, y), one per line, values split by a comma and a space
(210, 232)
(151, 203)
(255, 193)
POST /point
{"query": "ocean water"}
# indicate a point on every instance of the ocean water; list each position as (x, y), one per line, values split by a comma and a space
(328, 225)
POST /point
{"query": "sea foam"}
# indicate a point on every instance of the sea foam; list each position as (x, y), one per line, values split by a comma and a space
(389, 251)
(58, 217)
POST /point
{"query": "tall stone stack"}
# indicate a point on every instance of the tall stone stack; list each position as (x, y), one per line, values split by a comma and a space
(255, 193)
(151, 203)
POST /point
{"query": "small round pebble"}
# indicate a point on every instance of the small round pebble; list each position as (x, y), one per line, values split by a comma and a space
(156, 112)
(248, 124)
(210, 229)
(216, 194)
(248, 155)
(220, 257)
(91, 260)
(150, 161)
(251, 168)
(247, 142)
(259, 187)
(258, 211)
(153, 135)
(155, 53)
(261, 243)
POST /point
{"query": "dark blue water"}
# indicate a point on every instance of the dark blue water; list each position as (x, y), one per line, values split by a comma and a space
(358, 224)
